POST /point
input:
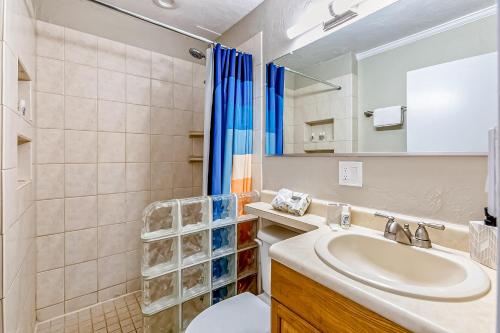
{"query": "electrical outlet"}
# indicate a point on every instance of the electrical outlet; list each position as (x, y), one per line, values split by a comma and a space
(351, 173)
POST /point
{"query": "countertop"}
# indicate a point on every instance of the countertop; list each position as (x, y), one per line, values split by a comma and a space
(415, 314)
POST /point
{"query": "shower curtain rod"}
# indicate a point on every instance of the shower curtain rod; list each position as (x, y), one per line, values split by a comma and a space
(334, 86)
(154, 22)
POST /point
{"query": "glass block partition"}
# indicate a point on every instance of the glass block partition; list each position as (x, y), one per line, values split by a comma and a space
(196, 252)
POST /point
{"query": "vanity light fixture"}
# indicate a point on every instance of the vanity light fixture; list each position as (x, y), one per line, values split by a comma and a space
(166, 4)
(337, 19)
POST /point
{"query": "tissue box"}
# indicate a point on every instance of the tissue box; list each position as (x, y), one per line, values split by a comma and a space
(483, 243)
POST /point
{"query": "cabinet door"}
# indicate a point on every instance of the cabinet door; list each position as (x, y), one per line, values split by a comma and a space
(285, 321)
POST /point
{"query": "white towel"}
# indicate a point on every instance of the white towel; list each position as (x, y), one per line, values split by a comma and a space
(389, 116)
(492, 176)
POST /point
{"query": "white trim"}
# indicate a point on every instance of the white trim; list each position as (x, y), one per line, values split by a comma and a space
(455, 23)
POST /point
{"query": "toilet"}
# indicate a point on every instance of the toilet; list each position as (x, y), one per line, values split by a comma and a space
(245, 313)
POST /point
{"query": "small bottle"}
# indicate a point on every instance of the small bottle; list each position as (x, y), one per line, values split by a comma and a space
(345, 221)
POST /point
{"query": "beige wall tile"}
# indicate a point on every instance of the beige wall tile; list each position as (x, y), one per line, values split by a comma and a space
(112, 178)
(198, 120)
(80, 246)
(160, 195)
(111, 270)
(74, 284)
(111, 85)
(134, 235)
(80, 80)
(161, 175)
(50, 312)
(111, 55)
(111, 147)
(183, 148)
(50, 252)
(80, 48)
(49, 181)
(136, 202)
(50, 146)
(49, 216)
(162, 67)
(138, 61)
(50, 75)
(80, 213)
(81, 146)
(162, 148)
(198, 76)
(183, 192)
(138, 90)
(111, 292)
(9, 139)
(111, 116)
(161, 121)
(112, 208)
(198, 174)
(161, 93)
(80, 179)
(181, 122)
(10, 90)
(183, 72)
(112, 239)
(138, 148)
(80, 113)
(49, 110)
(198, 99)
(183, 97)
(133, 285)
(50, 40)
(197, 191)
(138, 119)
(133, 264)
(80, 302)
(48, 287)
(183, 175)
(138, 176)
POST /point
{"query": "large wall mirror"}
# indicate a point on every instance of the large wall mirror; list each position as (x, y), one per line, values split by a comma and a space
(416, 77)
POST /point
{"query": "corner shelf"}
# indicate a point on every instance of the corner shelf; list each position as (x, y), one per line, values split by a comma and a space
(196, 159)
(196, 134)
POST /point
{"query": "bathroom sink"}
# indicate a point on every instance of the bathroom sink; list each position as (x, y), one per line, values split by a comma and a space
(433, 273)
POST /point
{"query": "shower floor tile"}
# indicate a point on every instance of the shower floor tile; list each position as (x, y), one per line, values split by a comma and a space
(120, 315)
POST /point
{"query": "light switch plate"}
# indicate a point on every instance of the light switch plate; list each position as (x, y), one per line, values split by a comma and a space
(351, 173)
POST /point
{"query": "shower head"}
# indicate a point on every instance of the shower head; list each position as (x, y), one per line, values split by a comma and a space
(195, 53)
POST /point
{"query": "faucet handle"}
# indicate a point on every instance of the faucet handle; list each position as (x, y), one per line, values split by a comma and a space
(432, 225)
(389, 217)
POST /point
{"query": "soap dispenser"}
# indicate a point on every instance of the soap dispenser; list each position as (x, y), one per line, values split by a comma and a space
(345, 221)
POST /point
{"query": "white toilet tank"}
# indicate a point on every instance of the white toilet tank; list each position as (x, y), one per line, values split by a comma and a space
(268, 236)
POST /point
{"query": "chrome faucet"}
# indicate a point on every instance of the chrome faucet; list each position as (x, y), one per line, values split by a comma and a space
(394, 231)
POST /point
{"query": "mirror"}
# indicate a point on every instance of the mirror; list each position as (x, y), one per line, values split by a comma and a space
(390, 82)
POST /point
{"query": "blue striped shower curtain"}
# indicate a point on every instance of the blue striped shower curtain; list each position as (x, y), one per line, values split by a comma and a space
(231, 123)
(275, 78)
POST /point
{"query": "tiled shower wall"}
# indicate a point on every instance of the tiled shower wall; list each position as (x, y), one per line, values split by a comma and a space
(17, 24)
(113, 125)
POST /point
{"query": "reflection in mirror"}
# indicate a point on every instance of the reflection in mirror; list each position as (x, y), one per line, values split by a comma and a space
(417, 84)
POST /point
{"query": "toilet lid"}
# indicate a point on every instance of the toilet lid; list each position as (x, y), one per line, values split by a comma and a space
(245, 313)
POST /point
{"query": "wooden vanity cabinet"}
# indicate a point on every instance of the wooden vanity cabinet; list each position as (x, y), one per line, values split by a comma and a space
(301, 305)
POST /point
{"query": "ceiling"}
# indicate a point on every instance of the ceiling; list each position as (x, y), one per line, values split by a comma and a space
(401, 19)
(189, 15)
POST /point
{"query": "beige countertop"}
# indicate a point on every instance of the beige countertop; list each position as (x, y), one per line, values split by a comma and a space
(415, 314)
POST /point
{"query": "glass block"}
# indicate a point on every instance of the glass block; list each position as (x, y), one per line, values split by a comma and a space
(247, 262)
(194, 213)
(246, 198)
(223, 270)
(166, 321)
(195, 247)
(223, 293)
(224, 208)
(195, 280)
(160, 292)
(247, 233)
(247, 284)
(160, 219)
(160, 256)
(223, 240)
(193, 307)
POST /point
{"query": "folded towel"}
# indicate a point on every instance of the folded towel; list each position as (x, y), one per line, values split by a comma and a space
(291, 202)
(389, 116)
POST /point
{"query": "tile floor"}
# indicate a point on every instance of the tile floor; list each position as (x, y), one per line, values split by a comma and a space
(120, 315)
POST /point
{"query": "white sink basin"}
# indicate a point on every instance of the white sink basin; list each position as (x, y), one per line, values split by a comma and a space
(406, 270)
